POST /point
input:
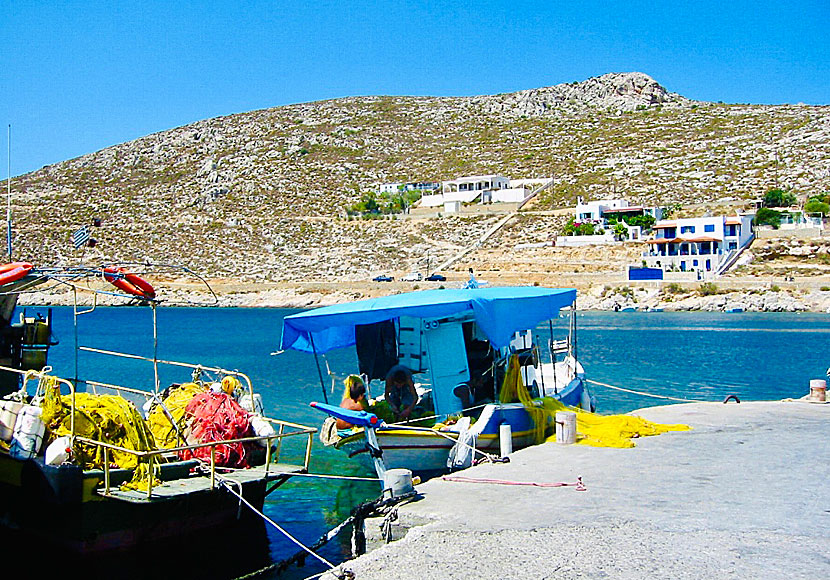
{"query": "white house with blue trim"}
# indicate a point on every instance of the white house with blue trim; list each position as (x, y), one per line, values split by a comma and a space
(707, 245)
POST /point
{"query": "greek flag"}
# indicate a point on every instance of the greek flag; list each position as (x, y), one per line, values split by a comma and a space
(80, 237)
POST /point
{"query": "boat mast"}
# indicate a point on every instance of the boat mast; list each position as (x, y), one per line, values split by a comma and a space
(9, 198)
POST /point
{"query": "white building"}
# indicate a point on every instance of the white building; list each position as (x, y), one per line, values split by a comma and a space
(422, 186)
(598, 211)
(482, 189)
(706, 245)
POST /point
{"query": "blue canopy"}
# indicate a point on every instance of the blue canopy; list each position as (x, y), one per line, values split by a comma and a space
(498, 311)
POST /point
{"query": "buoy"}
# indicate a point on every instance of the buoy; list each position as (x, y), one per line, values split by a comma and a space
(13, 272)
(566, 427)
(505, 439)
(129, 282)
(818, 390)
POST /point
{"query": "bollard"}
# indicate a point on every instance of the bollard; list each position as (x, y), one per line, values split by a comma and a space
(399, 481)
(566, 427)
(818, 390)
(505, 439)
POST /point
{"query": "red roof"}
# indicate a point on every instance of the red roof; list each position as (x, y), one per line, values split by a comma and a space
(659, 225)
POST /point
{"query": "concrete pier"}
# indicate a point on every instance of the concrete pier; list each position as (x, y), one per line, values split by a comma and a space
(743, 495)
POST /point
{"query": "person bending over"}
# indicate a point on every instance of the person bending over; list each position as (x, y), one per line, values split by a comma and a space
(400, 392)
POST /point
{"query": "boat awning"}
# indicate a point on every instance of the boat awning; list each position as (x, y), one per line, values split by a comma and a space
(498, 311)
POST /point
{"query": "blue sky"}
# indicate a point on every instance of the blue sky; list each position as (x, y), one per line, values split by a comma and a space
(78, 76)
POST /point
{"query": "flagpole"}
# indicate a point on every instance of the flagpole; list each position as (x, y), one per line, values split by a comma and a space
(9, 198)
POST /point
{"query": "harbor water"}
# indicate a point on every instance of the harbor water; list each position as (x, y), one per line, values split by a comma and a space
(696, 356)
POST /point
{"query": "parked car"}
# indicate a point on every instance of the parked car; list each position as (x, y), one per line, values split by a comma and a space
(413, 277)
(382, 278)
(436, 278)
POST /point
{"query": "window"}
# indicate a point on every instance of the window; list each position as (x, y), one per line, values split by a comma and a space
(687, 229)
(709, 228)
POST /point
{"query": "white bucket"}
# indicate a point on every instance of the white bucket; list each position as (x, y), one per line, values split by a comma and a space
(818, 390)
(399, 481)
(565, 427)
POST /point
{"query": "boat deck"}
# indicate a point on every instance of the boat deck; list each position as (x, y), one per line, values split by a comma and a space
(195, 484)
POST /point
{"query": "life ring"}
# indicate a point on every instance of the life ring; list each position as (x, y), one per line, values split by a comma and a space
(129, 282)
(14, 272)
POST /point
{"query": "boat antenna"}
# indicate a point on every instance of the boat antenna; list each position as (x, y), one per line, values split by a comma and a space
(9, 197)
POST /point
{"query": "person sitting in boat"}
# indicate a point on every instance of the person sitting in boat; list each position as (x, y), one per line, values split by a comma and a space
(400, 392)
(354, 398)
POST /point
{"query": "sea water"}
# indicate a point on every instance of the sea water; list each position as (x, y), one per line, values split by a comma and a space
(695, 356)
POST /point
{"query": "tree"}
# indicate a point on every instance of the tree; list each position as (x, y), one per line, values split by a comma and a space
(778, 198)
(620, 231)
(766, 216)
(645, 221)
(817, 206)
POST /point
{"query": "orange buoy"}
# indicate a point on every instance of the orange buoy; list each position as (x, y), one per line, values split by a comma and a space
(128, 282)
(14, 271)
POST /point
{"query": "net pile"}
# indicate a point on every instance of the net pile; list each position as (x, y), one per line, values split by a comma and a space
(167, 419)
(215, 417)
(592, 429)
(106, 418)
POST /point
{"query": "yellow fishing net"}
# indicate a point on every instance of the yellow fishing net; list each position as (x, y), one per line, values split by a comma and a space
(105, 418)
(167, 420)
(592, 429)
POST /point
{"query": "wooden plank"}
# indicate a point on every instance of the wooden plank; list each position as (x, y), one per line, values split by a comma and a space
(200, 484)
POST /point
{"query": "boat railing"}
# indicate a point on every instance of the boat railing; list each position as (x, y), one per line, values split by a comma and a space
(285, 429)
(155, 456)
(195, 368)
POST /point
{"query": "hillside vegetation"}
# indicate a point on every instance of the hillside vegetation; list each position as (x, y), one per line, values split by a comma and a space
(262, 195)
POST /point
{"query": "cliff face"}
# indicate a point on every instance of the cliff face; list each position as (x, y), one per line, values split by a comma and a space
(260, 195)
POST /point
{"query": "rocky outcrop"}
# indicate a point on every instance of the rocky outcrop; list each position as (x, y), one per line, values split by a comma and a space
(612, 92)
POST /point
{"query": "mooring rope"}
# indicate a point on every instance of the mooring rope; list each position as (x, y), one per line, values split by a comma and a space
(328, 476)
(227, 486)
(607, 386)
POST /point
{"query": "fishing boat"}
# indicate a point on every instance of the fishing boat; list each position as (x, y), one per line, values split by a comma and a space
(457, 344)
(93, 468)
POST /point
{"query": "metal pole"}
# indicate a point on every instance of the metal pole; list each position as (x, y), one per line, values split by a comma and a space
(319, 372)
(9, 198)
(155, 349)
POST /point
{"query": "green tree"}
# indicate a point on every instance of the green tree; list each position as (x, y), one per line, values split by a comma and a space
(778, 198)
(620, 232)
(766, 216)
(645, 221)
(817, 206)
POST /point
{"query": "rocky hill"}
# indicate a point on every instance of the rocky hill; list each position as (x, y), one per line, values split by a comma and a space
(261, 195)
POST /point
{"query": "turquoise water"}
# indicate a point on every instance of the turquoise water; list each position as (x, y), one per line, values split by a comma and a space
(701, 356)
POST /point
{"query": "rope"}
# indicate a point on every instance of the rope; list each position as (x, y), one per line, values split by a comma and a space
(646, 394)
(462, 479)
(487, 456)
(227, 486)
(343, 477)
